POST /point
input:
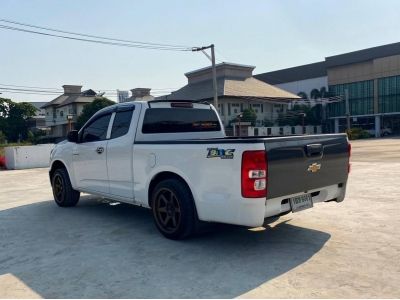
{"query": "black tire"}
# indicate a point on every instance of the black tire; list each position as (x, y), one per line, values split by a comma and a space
(173, 209)
(64, 194)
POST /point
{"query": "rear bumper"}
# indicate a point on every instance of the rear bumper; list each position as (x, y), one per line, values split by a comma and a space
(251, 212)
(277, 206)
(254, 211)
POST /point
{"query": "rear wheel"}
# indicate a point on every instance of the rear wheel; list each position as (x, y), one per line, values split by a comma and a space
(173, 209)
(64, 194)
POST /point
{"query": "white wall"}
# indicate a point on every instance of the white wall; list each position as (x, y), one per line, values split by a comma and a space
(306, 85)
(27, 157)
(286, 130)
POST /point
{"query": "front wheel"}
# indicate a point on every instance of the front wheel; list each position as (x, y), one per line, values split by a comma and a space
(173, 209)
(64, 194)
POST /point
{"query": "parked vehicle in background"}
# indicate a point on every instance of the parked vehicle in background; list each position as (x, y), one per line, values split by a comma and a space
(174, 158)
(384, 131)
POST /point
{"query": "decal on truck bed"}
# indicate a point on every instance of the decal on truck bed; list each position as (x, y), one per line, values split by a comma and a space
(221, 153)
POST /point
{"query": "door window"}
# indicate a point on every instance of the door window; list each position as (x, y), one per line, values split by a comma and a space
(96, 130)
(122, 121)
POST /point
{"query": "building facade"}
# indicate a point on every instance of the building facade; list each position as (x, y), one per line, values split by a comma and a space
(371, 78)
(237, 90)
(301, 79)
(141, 94)
(38, 121)
(62, 112)
(122, 96)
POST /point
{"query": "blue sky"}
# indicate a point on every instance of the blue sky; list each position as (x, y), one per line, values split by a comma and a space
(268, 34)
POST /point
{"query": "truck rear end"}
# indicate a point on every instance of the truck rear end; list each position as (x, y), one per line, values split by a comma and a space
(234, 180)
(293, 173)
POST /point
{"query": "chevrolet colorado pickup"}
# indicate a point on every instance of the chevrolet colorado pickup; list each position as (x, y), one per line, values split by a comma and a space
(174, 158)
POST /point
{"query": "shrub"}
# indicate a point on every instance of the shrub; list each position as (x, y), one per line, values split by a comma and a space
(357, 133)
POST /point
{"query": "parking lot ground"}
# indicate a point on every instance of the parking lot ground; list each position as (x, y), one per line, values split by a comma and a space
(350, 249)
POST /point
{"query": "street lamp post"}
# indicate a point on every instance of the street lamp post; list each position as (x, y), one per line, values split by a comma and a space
(240, 116)
(69, 119)
(214, 69)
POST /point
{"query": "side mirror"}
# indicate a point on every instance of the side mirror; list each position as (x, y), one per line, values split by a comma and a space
(73, 136)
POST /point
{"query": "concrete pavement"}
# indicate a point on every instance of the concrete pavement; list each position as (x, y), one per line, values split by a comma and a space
(351, 249)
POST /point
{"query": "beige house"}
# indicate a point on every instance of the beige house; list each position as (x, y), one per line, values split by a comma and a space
(237, 90)
(63, 111)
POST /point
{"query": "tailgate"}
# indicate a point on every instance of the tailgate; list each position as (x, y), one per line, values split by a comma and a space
(302, 163)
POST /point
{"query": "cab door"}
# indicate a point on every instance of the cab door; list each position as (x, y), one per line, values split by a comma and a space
(120, 151)
(90, 156)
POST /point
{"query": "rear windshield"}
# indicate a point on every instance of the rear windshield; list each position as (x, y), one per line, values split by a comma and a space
(169, 120)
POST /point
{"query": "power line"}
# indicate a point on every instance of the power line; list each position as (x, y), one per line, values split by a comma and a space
(96, 41)
(93, 36)
(33, 87)
(29, 93)
(29, 90)
(60, 90)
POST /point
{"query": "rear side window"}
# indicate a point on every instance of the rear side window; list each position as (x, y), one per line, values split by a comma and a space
(96, 130)
(121, 124)
(170, 120)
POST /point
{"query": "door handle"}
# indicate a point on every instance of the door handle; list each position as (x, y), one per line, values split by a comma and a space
(100, 150)
(314, 150)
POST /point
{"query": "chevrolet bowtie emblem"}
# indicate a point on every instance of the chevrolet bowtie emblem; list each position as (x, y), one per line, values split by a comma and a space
(314, 167)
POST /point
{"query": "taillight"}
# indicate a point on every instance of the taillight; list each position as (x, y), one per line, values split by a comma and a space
(254, 174)
(349, 153)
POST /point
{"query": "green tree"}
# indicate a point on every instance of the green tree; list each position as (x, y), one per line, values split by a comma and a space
(302, 95)
(91, 108)
(315, 94)
(2, 138)
(294, 116)
(13, 116)
(249, 115)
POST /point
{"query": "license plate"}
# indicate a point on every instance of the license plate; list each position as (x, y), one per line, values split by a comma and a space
(301, 202)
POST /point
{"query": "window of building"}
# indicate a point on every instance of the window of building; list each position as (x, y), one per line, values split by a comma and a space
(361, 98)
(122, 122)
(236, 108)
(61, 113)
(269, 131)
(293, 130)
(221, 109)
(256, 107)
(167, 120)
(389, 94)
(96, 130)
(280, 130)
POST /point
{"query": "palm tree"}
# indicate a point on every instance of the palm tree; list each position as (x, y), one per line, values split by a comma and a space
(323, 92)
(302, 95)
(315, 94)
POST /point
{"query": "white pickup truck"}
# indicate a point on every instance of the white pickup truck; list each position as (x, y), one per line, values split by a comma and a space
(174, 158)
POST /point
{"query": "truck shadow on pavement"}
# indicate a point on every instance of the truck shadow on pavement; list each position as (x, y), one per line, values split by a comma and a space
(98, 250)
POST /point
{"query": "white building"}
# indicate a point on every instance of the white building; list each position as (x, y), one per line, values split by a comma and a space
(237, 90)
(123, 96)
(301, 79)
(63, 111)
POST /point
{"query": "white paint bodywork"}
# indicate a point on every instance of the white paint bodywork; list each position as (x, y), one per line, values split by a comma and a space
(130, 163)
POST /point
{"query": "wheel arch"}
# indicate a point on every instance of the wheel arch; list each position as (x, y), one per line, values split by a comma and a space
(163, 176)
(58, 164)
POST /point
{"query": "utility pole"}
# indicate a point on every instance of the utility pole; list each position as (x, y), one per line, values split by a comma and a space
(214, 74)
(213, 67)
(346, 98)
